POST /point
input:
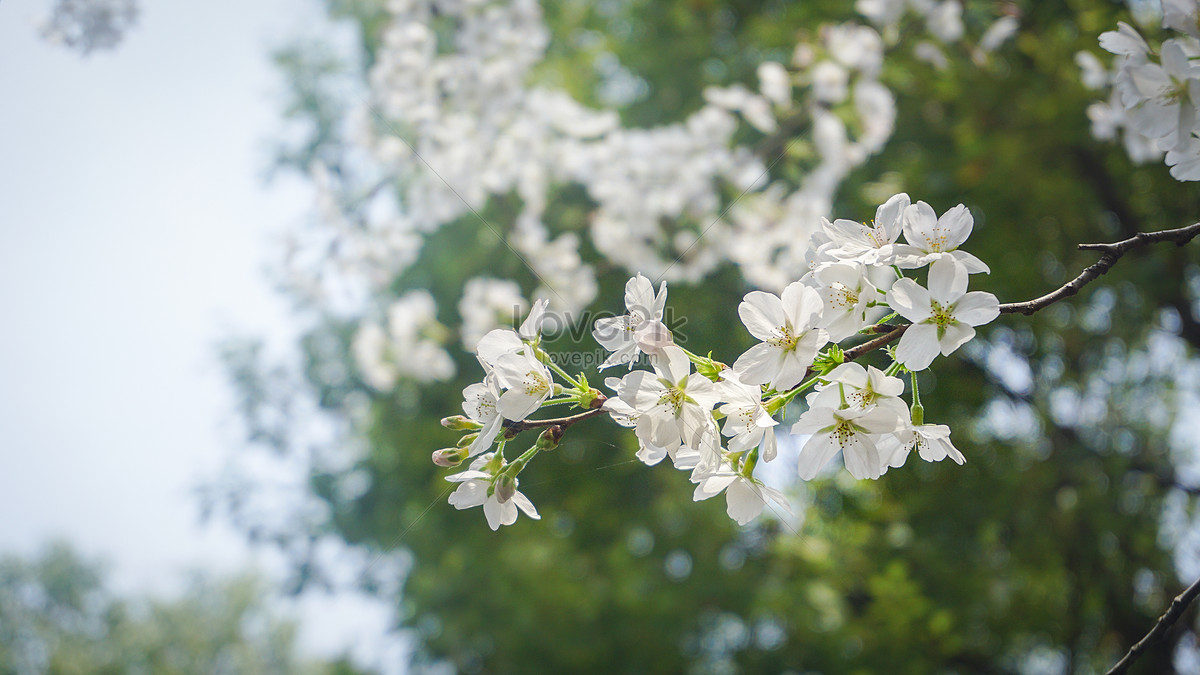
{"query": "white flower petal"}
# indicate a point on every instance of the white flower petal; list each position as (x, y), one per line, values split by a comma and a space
(947, 281)
(977, 308)
(525, 505)
(974, 265)
(801, 305)
(639, 297)
(955, 336)
(516, 405)
(955, 226)
(496, 344)
(712, 486)
(469, 494)
(759, 364)
(672, 364)
(919, 220)
(815, 454)
(862, 458)
(743, 501)
(498, 514)
(762, 313)
(909, 299)
(531, 327)
(918, 346)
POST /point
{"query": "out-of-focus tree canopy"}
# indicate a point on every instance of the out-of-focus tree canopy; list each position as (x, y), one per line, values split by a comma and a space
(1053, 549)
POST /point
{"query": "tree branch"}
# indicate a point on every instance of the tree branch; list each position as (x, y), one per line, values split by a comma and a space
(511, 429)
(1109, 255)
(1168, 619)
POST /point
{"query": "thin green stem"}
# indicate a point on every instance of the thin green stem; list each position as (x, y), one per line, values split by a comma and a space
(774, 403)
(749, 463)
(561, 373)
(918, 410)
(518, 464)
(498, 459)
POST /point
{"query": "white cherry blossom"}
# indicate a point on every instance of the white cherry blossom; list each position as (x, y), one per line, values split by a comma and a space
(851, 431)
(477, 488)
(854, 386)
(747, 422)
(1162, 99)
(674, 406)
(932, 238)
(930, 441)
(787, 326)
(639, 331)
(527, 380)
(627, 416)
(869, 244)
(943, 316)
(846, 292)
(745, 498)
(480, 404)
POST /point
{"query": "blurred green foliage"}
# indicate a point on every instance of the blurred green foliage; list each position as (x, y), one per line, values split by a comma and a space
(1045, 547)
(58, 617)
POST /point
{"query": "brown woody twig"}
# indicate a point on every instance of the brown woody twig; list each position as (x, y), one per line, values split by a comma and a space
(1168, 619)
(1109, 255)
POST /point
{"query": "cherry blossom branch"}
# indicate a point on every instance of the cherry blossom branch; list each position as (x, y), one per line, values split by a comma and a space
(1164, 623)
(511, 428)
(1109, 255)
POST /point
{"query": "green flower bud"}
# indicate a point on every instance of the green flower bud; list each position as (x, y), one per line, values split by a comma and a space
(466, 440)
(460, 423)
(548, 440)
(592, 398)
(449, 457)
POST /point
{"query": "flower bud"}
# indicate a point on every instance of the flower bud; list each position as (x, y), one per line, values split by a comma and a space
(506, 487)
(548, 440)
(460, 423)
(466, 440)
(448, 457)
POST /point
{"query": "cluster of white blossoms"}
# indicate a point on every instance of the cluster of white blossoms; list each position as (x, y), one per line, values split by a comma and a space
(1155, 96)
(488, 304)
(408, 344)
(454, 116)
(717, 422)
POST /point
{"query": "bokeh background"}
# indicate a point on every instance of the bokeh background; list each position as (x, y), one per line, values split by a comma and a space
(187, 219)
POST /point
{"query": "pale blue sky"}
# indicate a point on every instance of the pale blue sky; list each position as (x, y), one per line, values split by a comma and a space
(135, 226)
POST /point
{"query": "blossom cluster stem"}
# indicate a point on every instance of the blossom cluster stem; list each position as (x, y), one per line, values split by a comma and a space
(558, 369)
(515, 428)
